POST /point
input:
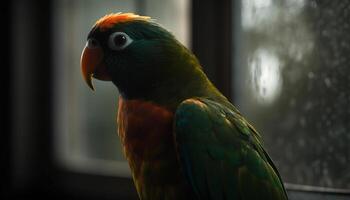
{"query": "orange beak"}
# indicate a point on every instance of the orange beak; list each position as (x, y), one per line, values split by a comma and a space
(92, 65)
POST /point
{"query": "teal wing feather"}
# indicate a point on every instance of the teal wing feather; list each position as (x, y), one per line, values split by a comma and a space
(221, 154)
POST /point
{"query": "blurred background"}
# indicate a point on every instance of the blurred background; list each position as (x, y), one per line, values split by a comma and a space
(283, 63)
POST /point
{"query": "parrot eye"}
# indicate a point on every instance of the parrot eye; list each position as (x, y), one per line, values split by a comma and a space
(119, 40)
(92, 43)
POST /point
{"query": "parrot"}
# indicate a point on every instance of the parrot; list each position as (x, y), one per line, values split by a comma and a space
(181, 137)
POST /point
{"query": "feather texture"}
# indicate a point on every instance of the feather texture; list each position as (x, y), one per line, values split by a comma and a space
(146, 133)
(222, 155)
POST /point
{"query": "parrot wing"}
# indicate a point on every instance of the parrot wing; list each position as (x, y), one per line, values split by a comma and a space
(221, 153)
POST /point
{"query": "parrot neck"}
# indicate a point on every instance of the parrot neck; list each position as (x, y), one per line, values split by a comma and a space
(171, 92)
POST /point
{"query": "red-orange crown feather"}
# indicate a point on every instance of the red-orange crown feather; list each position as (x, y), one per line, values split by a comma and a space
(110, 20)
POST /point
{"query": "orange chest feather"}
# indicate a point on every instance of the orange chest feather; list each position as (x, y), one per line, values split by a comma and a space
(144, 127)
(146, 132)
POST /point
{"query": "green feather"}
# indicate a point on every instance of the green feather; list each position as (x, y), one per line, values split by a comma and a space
(222, 154)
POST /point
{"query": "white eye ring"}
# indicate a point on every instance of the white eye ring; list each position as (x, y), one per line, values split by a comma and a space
(119, 41)
(92, 43)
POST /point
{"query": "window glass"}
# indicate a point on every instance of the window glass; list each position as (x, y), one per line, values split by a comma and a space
(85, 123)
(292, 82)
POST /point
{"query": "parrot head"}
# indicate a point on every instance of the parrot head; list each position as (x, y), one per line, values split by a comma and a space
(136, 54)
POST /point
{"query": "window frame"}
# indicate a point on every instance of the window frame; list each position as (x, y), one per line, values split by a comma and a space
(212, 40)
(33, 170)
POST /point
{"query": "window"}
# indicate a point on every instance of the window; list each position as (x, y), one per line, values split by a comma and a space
(85, 126)
(291, 80)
